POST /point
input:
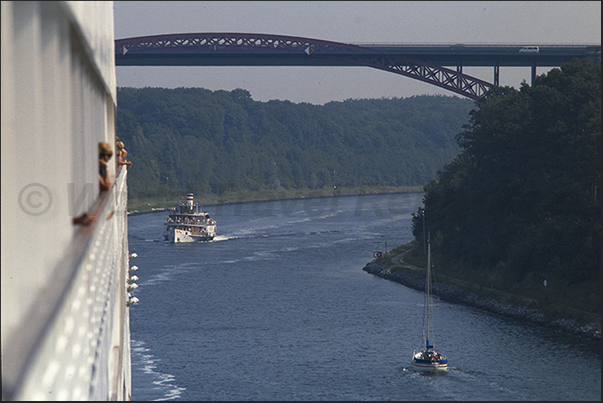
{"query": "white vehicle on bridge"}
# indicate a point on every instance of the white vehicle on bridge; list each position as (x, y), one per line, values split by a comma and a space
(529, 49)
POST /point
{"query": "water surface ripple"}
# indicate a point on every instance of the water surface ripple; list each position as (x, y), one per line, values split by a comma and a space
(277, 307)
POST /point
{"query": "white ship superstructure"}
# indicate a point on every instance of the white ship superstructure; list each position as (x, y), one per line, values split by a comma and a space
(65, 300)
(187, 222)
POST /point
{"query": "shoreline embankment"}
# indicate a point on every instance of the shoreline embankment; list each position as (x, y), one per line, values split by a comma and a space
(414, 277)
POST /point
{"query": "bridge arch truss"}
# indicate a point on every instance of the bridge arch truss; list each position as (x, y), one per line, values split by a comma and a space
(244, 49)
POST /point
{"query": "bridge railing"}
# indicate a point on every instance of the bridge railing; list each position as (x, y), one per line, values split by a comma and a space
(478, 45)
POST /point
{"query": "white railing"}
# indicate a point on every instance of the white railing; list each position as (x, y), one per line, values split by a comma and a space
(75, 344)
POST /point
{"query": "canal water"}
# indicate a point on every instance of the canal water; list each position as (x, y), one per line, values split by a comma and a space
(278, 307)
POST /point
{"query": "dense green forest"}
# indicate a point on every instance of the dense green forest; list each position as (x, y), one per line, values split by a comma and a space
(521, 203)
(208, 142)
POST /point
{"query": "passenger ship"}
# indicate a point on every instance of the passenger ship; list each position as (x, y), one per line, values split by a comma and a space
(187, 222)
(65, 286)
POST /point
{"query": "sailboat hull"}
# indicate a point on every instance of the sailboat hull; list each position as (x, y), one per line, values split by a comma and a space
(429, 366)
(422, 364)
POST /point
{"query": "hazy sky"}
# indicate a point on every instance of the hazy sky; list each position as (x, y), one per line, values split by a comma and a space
(507, 22)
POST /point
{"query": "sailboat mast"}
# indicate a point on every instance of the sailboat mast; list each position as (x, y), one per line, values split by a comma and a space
(428, 285)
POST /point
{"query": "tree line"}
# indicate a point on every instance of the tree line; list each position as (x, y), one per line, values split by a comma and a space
(521, 202)
(202, 141)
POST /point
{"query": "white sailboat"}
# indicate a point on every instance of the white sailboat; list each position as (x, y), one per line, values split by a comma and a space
(427, 359)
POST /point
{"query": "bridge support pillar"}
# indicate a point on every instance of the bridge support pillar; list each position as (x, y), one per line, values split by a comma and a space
(533, 74)
(496, 74)
(459, 69)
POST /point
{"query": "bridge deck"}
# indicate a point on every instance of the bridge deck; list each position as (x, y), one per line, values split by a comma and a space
(227, 54)
(428, 63)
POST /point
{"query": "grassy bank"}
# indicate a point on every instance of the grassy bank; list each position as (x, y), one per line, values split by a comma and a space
(551, 302)
(147, 204)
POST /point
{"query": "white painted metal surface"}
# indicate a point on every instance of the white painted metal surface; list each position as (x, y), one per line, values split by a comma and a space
(65, 322)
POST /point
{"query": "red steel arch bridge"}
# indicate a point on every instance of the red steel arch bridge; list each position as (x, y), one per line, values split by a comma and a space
(424, 62)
